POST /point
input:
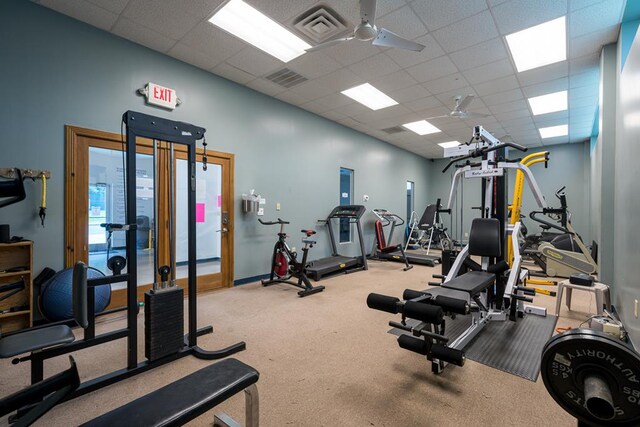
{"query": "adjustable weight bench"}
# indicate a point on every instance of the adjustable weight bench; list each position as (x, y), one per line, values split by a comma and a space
(187, 398)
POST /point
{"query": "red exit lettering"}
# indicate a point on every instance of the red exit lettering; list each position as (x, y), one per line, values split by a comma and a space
(162, 94)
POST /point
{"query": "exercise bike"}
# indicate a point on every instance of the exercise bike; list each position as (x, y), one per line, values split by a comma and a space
(285, 265)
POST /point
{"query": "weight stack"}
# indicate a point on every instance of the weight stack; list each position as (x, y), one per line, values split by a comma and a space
(164, 322)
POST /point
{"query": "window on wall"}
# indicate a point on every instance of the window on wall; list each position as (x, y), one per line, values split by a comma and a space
(346, 198)
(410, 199)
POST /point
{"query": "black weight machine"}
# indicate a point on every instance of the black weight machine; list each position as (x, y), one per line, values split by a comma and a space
(165, 339)
(285, 265)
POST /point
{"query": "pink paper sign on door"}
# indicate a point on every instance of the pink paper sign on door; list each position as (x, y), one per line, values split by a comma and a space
(219, 200)
(199, 212)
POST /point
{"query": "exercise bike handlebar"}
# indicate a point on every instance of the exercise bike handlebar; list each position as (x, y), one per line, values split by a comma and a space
(479, 152)
(547, 224)
(279, 221)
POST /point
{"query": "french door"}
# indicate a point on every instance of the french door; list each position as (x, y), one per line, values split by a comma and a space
(95, 195)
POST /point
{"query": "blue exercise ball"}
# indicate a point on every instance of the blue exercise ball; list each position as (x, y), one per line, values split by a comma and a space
(56, 295)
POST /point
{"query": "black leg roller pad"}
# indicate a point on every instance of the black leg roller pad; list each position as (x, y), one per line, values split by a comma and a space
(448, 304)
(383, 303)
(432, 351)
(423, 312)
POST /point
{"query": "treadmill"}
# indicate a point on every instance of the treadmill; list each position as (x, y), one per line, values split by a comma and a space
(387, 218)
(336, 263)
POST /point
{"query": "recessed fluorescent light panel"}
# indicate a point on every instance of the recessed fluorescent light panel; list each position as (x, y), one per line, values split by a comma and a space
(252, 26)
(554, 131)
(549, 103)
(449, 144)
(369, 96)
(421, 127)
(539, 45)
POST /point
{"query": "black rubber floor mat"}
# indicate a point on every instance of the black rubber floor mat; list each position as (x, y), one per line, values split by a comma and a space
(513, 347)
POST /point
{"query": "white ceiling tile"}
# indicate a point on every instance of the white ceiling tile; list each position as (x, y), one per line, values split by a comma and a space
(403, 22)
(352, 110)
(544, 88)
(446, 84)
(585, 63)
(139, 34)
(579, 4)
(394, 81)
(516, 15)
(588, 78)
(433, 69)
(503, 97)
(410, 93)
(334, 100)
(423, 104)
(498, 85)
(254, 61)
(593, 41)
(480, 54)
(544, 74)
(213, 41)
(374, 117)
(374, 66)
(512, 114)
(311, 89)
(485, 73)
(513, 124)
(555, 141)
(291, 97)
(115, 6)
(440, 13)
(266, 87)
(407, 58)
(350, 52)
(83, 11)
(467, 32)
(202, 9)
(519, 104)
(228, 72)
(551, 119)
(449, 98)
(496, 2)
(313, 65)
(192, 56)
(170, 20)
(596, 17)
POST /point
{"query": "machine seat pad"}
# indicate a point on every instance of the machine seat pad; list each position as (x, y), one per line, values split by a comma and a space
(472, 282)
(36, 339)
(183, 400)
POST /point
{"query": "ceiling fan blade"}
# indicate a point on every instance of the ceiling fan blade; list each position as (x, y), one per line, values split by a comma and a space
(368, 10)
(329, 43)
(445, 116)
(465, 102)
(386, 38)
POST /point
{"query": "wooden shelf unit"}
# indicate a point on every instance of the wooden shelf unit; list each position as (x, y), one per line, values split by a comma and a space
(14, 255)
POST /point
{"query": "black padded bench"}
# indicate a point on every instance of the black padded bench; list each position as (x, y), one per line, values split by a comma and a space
(185, 399)
(472, 282)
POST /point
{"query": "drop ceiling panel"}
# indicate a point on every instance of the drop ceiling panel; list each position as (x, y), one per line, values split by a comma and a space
(403, 21)
(213, 41)
(171, 19)
(137, 33)
(599, 16)
(480, 54)
(433, 69)
(465, 53)
(83, 11)
(485, 73)
(468, 32)
(440, 13)
(529, 13)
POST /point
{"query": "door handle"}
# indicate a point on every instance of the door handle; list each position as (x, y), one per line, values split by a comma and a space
(223, 230)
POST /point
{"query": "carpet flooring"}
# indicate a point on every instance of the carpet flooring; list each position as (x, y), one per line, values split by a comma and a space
(324, 360)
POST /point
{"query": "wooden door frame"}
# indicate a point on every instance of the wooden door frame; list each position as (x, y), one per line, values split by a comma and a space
(74, 159)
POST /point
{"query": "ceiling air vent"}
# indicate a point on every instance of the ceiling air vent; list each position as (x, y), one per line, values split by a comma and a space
(286, 78)
(393, 129)
(320, 23)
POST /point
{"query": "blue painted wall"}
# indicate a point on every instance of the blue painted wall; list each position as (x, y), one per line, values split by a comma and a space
(58, 71)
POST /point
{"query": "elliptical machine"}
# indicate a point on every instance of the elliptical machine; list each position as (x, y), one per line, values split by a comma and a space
(285, 265)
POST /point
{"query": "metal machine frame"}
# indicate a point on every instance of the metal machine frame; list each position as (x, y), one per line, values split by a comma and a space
(155, 128)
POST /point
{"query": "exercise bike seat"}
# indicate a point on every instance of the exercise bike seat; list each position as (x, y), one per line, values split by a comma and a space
(472, 282)
(309, 232)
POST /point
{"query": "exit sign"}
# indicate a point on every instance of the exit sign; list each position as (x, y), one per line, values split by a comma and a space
(160, 96)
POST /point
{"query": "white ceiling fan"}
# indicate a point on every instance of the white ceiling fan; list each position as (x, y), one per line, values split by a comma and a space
(367, 30)
(460, 110)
